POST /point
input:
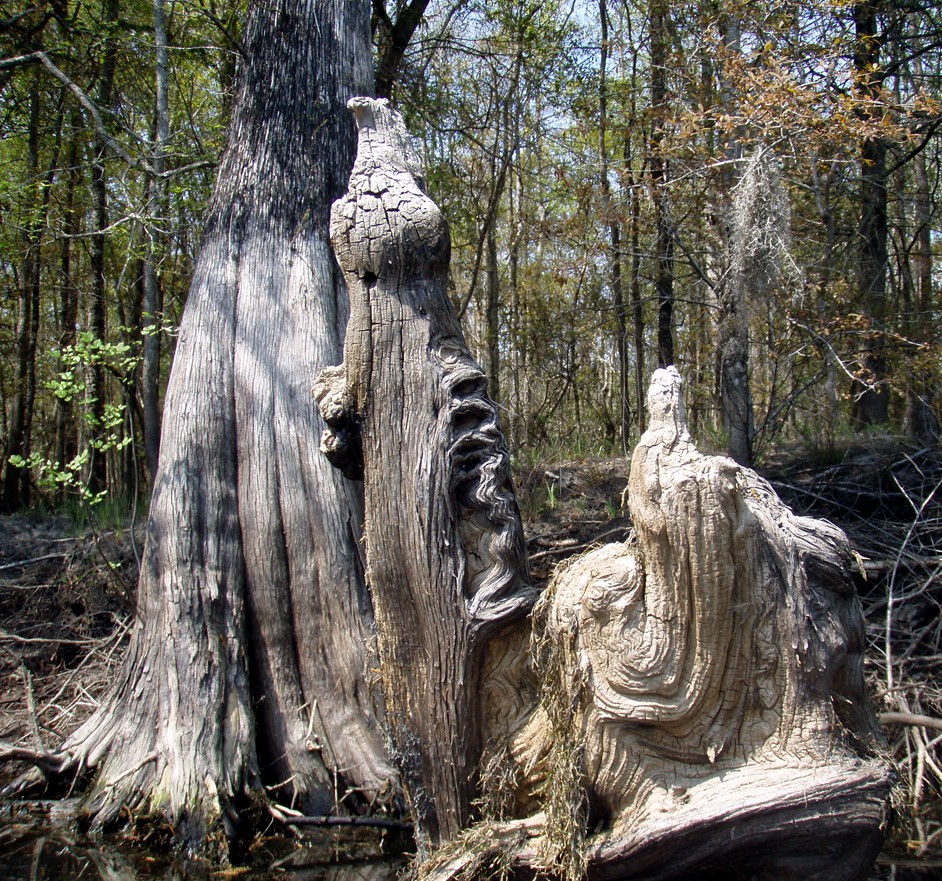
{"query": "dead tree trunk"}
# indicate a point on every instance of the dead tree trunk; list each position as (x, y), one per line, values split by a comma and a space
(703, 702)
(715, 673)
(444, 543)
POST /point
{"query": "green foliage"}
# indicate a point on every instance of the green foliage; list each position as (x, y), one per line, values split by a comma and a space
(504, 98)
(106, 432)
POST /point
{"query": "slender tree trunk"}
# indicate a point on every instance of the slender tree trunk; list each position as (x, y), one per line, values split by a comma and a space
(66, 446)
(637, 306)
(157, 204)
(872, 397)
(664, 244)
(16, 486)
(733, 292)
(923, 420)
(516, 423)
(394, 40)
(634, 196)
(822, 193)
(129, 315)
(248, 662)
(98, 307)
(492, 313)
(614, 241)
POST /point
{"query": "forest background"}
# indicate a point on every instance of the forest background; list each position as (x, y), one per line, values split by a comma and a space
(749, 191)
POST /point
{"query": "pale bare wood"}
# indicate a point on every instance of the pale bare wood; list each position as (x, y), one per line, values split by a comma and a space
(714, 668)
(703, 711)
(444, 543)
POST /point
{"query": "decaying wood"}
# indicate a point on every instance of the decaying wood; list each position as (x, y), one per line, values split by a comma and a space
(703, 711)
(408, 409)
(711, 674)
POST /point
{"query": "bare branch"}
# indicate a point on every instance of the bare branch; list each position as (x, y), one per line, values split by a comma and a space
(914, 719)
(47, 762)
(87, 104)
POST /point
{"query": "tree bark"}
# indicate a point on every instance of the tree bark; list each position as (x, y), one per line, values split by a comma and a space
(703, 704)
(16, 479)
(157, 203)
(444, 542)
(872, 394)
(247, 664)
(664, 244)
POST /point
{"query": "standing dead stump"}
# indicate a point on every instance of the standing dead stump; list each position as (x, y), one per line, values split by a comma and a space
(408, 411)
(711, 675)
(703, 712)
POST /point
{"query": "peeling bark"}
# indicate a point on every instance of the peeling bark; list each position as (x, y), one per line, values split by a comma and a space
(444, 543)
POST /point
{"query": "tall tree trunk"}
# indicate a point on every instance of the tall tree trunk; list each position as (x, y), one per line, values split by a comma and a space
(492, 313)
(822, 195)
(733, 292)
(637, 306)
(16, 487)
(872, 397)
(157, 204)
(923, 420)
(664, 245)
(248, 662)
(614, 241)
(98, 308)
(66, 444)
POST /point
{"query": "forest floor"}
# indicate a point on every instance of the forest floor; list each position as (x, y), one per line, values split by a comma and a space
(66, 599)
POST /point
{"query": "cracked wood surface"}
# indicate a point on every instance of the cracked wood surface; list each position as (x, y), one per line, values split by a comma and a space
(408, 410)
(714, 667)
(702, 684)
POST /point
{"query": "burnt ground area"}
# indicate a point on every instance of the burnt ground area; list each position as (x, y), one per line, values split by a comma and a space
(66, 599)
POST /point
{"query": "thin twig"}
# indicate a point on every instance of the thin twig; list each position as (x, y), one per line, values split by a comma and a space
(376, 822)
(19, 564)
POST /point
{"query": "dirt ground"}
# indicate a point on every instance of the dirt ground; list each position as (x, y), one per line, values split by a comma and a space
(66, 599)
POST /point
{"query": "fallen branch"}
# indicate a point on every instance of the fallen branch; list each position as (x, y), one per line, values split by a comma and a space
(375, 822)
(49, 763)
(913, 719)
(19, 564)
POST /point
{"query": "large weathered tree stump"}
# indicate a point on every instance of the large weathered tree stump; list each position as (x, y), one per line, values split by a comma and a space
(703, 710)
(408, 410)
(710, 674)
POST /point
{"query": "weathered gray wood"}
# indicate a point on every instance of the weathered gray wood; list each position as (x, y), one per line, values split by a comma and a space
(248, 664)
(444, 543)
(703, 710)
(711, 675)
